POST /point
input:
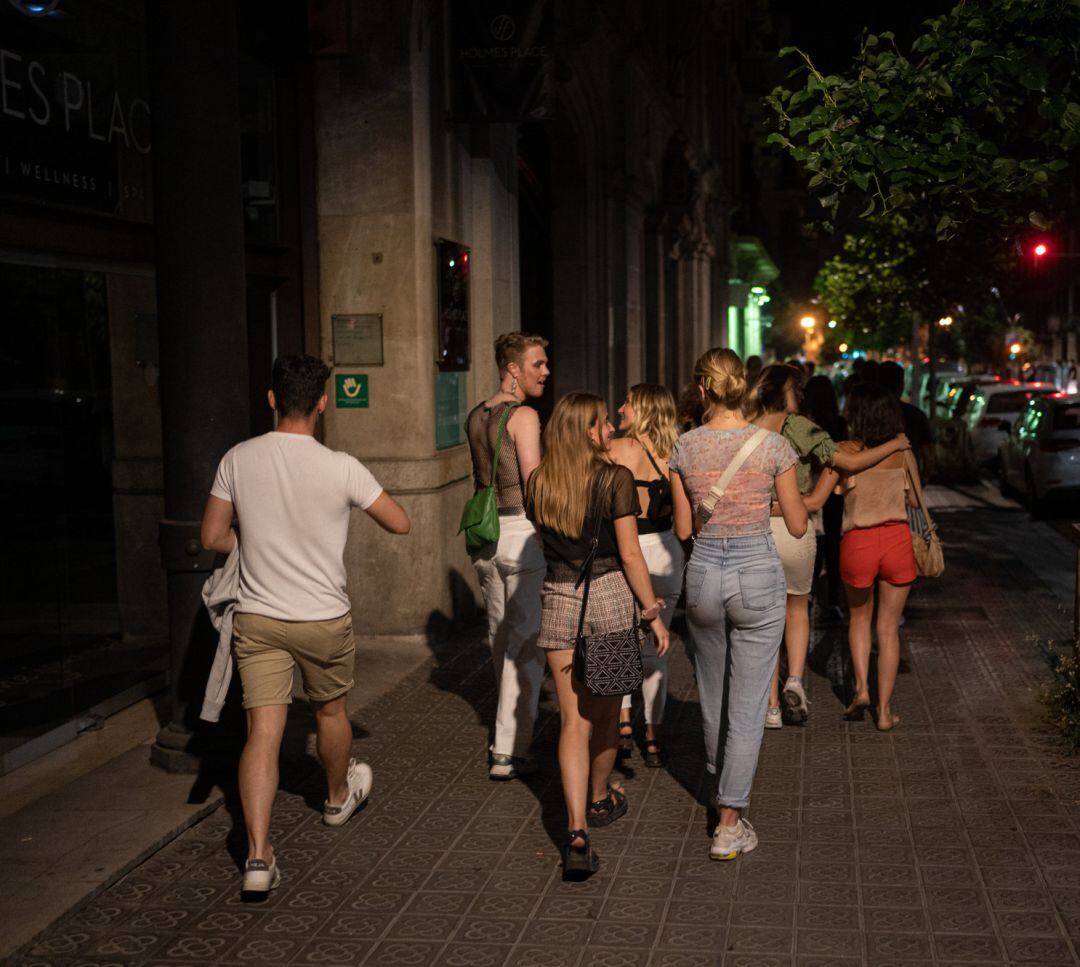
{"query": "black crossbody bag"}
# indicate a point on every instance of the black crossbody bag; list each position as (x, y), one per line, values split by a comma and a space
(610, 663)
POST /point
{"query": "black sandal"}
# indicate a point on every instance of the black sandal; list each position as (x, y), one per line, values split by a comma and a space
(605, 811)
(654, 753)
(579, 862)
(626, 740)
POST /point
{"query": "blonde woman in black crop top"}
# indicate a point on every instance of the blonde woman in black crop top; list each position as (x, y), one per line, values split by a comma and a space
(577, 493)
(648, 421)
(511, 572)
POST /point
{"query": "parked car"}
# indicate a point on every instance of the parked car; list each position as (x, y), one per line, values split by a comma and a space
(946, 373)
(993, 410)
(953, 400)
(1041, 453)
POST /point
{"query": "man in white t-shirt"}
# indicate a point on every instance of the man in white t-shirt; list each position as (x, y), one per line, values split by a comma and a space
(292, 497)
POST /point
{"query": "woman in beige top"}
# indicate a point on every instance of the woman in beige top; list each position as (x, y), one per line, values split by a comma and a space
(876, 546)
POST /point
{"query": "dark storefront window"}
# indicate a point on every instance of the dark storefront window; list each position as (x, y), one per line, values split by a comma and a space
(61, 652)
(258, 135)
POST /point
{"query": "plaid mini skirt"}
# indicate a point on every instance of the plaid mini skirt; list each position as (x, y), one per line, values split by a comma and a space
(611, 607)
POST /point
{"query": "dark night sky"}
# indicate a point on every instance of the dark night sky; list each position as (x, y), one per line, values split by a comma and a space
(828, 30)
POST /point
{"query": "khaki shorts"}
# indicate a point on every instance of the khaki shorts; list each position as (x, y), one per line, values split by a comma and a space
(267, 650)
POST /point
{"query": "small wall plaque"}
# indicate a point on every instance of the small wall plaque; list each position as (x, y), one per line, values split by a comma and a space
(351, 391)
(358, 340)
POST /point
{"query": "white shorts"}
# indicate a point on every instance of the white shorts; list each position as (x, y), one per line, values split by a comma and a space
(664, 558)
(796, 554)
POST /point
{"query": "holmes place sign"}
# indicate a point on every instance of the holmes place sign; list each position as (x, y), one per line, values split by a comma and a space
(74, 115)
(502, 49)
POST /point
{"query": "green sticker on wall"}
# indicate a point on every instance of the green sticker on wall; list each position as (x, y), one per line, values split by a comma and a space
(351, 391)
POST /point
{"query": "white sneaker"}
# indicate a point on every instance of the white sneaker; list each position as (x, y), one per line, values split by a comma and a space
(729, 841)
(360, 778)
(773, 718)
(260, 876)
(794, 698)
(505, 767)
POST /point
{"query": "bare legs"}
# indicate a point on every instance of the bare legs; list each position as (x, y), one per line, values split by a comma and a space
(258, 775)
(860, 614)
(891, 601)
(587, 741)
(333, 743)
(796, 642)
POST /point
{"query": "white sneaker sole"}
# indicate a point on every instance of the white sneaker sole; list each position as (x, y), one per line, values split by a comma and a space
(356, 799)
(796, 706)
(731, 854)
(261, 881)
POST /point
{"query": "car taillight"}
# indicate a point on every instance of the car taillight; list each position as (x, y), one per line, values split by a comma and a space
(1058, 444)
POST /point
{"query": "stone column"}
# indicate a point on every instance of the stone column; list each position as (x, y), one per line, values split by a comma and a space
(201, 317)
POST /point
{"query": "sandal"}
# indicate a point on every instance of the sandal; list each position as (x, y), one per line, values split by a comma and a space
(626, 740)
(654, 753)
(605, 811)
(579, 862)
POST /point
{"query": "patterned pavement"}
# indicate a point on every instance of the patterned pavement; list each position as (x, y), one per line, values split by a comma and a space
(954, 840)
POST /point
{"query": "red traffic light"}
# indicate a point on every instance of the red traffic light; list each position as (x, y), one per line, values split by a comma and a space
(1040, 249)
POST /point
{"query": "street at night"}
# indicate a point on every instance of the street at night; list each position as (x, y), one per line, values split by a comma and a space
(522, 483)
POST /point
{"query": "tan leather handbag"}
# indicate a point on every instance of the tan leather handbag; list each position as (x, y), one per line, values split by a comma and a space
(929, 555)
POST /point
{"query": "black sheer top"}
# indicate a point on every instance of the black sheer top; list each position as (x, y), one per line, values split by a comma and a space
(482, 428)
(614, 496)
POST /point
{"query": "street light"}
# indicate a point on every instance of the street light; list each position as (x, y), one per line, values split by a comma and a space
(807, 322)
(832, 323)
(945, 322)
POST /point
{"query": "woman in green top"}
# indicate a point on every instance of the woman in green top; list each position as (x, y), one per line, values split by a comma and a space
(773, 403)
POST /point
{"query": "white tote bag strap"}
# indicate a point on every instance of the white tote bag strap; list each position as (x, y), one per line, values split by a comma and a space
(708, 505)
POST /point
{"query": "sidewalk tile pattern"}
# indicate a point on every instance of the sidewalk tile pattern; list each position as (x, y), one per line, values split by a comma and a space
(952, 841)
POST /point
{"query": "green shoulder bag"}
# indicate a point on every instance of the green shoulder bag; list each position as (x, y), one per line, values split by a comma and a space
(480, 518)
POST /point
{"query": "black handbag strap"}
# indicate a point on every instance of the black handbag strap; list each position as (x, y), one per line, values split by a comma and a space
(585, 574)
(498, 440)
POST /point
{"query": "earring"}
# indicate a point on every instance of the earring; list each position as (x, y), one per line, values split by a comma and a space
(513, 386)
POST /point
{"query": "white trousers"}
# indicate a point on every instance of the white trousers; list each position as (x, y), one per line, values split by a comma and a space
(664, 558)
(511, 577)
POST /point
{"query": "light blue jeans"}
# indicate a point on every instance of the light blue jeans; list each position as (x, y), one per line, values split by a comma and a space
(735, 605)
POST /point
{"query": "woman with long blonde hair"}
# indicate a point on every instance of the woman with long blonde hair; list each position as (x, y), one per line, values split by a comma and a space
(722, 477)
(584, 508)
(648, 419)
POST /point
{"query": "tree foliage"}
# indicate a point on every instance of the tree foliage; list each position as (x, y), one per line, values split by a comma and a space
(972, 126)
(934, 157)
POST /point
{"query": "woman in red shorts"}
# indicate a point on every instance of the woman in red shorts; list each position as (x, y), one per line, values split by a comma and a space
(876, 547)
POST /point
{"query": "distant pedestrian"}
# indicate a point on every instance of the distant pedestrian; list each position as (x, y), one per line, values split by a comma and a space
(585, 508)
(876, 548)
(647, 417)
(774, 404)
(292, 497)
(917, 426)
(821, 406)
(511, 572)
(689, 411)
(722, 477)
(754, 366)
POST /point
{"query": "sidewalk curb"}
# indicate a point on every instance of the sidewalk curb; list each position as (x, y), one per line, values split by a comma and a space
(212, 805)
(417, 658)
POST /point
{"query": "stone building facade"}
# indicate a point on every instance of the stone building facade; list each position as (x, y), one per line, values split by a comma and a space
(326, 177)
(604, 227)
